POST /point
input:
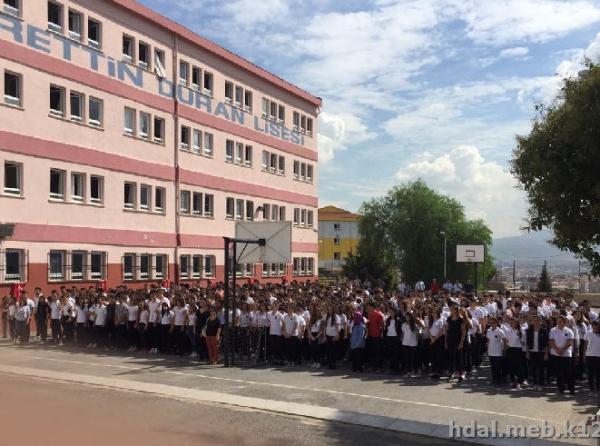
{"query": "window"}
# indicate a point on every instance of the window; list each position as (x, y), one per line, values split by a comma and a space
(303, 123)
(229, 208)
(144, 266)
(281, 114)
(144, 125)
(96, 189)
(97, 262)
(248, 101)
(296, 169)
(208, 83)
(55, 17)
(128, 266)
(336, 241)
(273, 163)
(12, 89)
(159, 129)
(228, 92)
(273, 111)
(296, 216)
(239, 209)
(282, 213)
(184, 142)
(303, 171)
(75, 25)
(309, 126)
(57, 100)
(197, 141)
(144, 54)
(77, 187)
(78, 264)
(281, 166)
(274, 212)
(184, 72)
(336, 227)
(145, 194)
(129, 121)
(309, 173)
(310, 266)
(196, 77)
(303, 218)
(129, 195)
(266, 211)
(209, 266)
(337, 256)
(128, 48)
(265, 160)
(208, 144)
(184, 267)
(239, 96)
(239, 152)
(159, 199)
(56, 265)
(96, 107)
(57, 184)
(196, 267)
(265, 108)
(12, 178)
(249, 210)
(12, 7)
(296, 121)
(159, 63)
(229, 145)
(209, 204)
(184, 201)
(94, 34)
(197, 203)
(248, 156)
(76, 106)
(160, 266)
(14, 265)
(309, 219)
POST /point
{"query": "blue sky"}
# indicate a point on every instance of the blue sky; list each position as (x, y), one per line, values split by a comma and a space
(435, 89)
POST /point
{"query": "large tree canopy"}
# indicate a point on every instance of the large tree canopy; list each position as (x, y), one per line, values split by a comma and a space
(558, 166)
(402, 231)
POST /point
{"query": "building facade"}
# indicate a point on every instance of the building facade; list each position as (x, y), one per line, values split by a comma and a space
(130, 146)
(338, 237)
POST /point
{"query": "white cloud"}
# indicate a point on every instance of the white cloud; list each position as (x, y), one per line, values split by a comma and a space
(251, 12)
(484, 187)
(570, 67)
(518, 51)
(338, 131)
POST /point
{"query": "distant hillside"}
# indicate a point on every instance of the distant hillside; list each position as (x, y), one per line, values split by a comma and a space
(532, 249)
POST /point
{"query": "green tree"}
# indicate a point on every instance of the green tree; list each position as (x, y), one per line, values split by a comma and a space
(557, 165)
(545, 284)
(402, 232)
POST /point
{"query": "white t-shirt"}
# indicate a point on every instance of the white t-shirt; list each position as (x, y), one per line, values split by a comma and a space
(260, 319)
(495, 341)
(291, 324)
(55, 310)
(166, 318)
(513, 338)
(593, 344)
(82, 314)
(437, 328)
(100, 313)
(560, 338)
(274, 323)
(301, 326)
(132, 313)
(409, 337)
(332, 327)
(144, 316)
(391, 329)
(180, 313)
(153, 306)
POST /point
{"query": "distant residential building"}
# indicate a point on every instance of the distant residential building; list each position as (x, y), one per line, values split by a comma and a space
(338, 236)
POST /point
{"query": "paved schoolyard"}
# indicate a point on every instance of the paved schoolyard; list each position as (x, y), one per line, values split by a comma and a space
(379, 400)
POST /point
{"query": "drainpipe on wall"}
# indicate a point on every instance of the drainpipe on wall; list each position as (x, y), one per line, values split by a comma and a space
(176, 154)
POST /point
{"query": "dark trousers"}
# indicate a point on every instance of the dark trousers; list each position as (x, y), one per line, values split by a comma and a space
(42, 329)
(82, 337)
(56, 330)
(563, 368)
(316, 350)
(121, 338)
(438, 355)
(593, 371)
(179, 339)
(100, 336)
(409, 361)
(373, 346)
(276, 348)
(11, 328)
(291, 349)
(22, 332)
(356, 356)
(537, 368)
(132, 334)
(496, 366)
(455, 358)
(142, 336)
(514, 356)
(331, 348)
(392, 348)
(4, 324)
(165, 338)
(68, 329)
(109, 334)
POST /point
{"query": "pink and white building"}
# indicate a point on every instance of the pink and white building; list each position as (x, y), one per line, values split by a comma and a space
(130, 146)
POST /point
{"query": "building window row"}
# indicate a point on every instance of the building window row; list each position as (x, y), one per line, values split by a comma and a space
(145, 266)
(238, 209)
(143, 126)
(195, 141)
(303, 172)
(273, 212)
(303, 124)
(88, 32)
(238, 96)
(144, 199)
(140, 54)
(273, 163)
(303, 218)
(274, 269)
(196, 266)
(75, 106)
(304, 266)
(195, 78)
(79, 190)
(66, 266)
(13, 265)
(196, 203)
(273, 111)
(238, 153)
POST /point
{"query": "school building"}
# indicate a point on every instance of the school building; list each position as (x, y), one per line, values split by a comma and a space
(338, 237)
(130, 146)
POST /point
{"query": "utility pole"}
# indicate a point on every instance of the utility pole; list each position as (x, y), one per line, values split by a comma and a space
(514, 274)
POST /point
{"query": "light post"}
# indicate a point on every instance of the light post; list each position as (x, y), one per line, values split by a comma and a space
(444, 234)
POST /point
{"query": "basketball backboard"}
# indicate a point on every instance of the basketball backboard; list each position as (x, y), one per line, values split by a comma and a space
(470, 253)
(278, 242)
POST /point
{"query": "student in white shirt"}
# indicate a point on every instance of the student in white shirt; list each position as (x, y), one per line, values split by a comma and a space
(133, 313)
(410, 342)
(495, 337)
(81, 318)
(290, 336)
(392, 335)
(437, 351)
(143, 324)
(275, 319)
(561, 352)
(332, 334)
(316, 336)
(178, 326)
(592, 356)
(514, 353)
(55, 312)
(99, 325)
(154, 333)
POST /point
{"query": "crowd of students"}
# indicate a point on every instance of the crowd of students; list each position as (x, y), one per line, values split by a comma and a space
(529, 340)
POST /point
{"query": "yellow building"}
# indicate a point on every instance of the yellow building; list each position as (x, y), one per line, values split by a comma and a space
(338, 236)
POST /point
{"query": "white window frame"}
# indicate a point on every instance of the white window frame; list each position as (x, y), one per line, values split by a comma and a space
(74, 33)
(11, 10)
(208, 145)
(229, 208)
(240, 209)
(209, 261)
(5, 277)
(78, 179)
(209, 205)
(62, 183)
(184, 138)
(132, 204)
(184, 73)
(9, 99)
(147, 118)
(129, 275)
(18, 191)
(145, 64)
(79, 275)
(229, 88)
(97, 44)
(159, 192)
(100, 180)
(197, 210)
(56, 276)
(184, 201)
(56, 27)
(63, 92)
(148, 205)
(197, 141)
(229, 150)
(102, 274)
(129, 57)
(80, 97)
(129, 112)
(158, 124)
(100, 104)
(184, 266)
(196, 262)
(147, 273)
